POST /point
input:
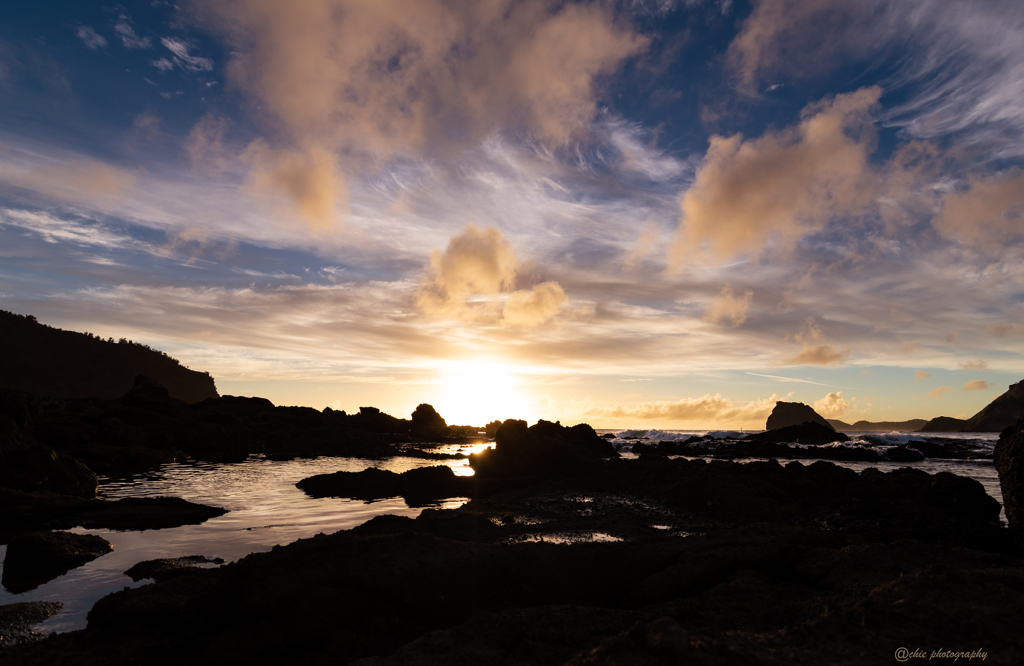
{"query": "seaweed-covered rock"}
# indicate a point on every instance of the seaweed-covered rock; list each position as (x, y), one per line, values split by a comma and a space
(418, 486)
(805, 432)
(35, 558)
(16, 620)
(1009, 459)
(164, 568)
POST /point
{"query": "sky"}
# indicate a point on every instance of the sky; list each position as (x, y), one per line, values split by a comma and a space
(633, 213)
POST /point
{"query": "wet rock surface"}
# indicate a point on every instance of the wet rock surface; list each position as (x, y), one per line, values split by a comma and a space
(36, 558)
(16, 621)
(1009, 459)
(715, 562)
(418, 486)
(165, 568)
(24, 512)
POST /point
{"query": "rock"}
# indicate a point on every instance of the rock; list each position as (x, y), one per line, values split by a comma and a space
(878, 426)
(163, 569)
(1009, 459)
(16, 620)
(427, 423)
(1001, 413)
(36, 558)
(34, 467)
(806, 432)
(793, 413)
(944, 424)
(143, 513)
(545, 449)
(418, 486)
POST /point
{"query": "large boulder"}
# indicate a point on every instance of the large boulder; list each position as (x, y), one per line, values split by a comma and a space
(544, 449)
(807, 432)
(1009, 459)
(38, 557)
(788, 414)
(426, 422)
(418, 486)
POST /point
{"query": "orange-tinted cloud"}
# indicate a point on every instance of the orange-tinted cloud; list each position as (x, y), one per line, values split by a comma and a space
(710, 409)
(76, 178)
(815, 354)
(391, 74)
(729, 307)
(976, 364)
(989, 211)
(939, 392)
(309, 179)
(832, 406)
(781, 185)
(977, 385)
(921, 374)
(466, 281)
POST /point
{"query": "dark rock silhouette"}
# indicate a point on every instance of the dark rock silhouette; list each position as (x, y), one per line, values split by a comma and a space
(53, 363)
(418, 486)
(545, 449)
(1009, 459)
(787, 414)
(807, 432)
(815, 564)
(165, 568)
(944, 424)
(36, 558)
(492, 428)
(25, 512)
(426, 422)
(878, 426)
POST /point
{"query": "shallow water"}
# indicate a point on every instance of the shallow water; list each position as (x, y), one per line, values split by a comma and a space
(265, 510)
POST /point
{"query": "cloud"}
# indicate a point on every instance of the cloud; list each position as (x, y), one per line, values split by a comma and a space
(728, 307)
(128, 36)
(642, 247)
(309, 180)
(467, 279)
(977, 385)
(163, 64)
(781, 185)
(939, 392)
(92, 39)
(921, 374)
(989, 211)
(75, 178)
(708, 409)
(390, 75)
(818, 355)
(832, 406)
(533, 307)
(146, 125)
(976, 364)
(815, 354)
(205, 142)
(182, 57)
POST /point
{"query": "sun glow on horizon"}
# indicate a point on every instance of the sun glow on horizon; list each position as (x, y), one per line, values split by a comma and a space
(478, 392)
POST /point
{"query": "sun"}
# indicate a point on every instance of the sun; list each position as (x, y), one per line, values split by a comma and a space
(478, 392)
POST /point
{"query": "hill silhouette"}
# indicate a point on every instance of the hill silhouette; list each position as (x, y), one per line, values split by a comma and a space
(53, 363)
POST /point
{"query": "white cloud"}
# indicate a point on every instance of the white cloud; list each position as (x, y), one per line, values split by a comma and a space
(128, 36)
(91, 38)
(183, 58)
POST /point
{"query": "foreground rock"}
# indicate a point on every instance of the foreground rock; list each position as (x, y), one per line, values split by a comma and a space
(23, 512)
(165, 568)
(39, 557)
(544, 449)
(418, 486)
(716, 563)
(1009, 459)
(16, 620)
(786, 414)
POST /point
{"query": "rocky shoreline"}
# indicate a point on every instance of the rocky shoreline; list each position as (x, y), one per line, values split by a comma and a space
(583, 558)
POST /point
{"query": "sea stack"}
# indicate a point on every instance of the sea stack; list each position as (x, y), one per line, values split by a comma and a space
(788, 414)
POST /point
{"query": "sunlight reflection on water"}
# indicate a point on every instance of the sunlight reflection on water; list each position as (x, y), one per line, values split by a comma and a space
(265, 510)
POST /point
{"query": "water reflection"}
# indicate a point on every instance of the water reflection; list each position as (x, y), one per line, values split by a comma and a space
(265, 510)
